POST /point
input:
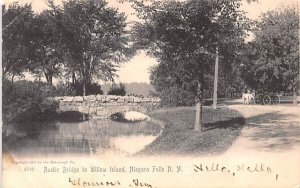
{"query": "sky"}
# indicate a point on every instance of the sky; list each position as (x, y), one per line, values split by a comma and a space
(137, 69)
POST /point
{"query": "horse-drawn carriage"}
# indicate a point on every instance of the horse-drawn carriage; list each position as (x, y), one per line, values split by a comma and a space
(266, 98)
(261, 97)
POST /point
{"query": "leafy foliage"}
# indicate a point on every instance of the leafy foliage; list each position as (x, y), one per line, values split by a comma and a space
(183, 36)
(48, 47)
(174, 96)
(25, 101)
(271, 61)
(85, 39)
(17, 38)
(91, 89)
(63, 89)
(95, 38)
(117, 90)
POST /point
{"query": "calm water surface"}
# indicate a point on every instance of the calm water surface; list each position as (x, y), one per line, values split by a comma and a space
(93, 137)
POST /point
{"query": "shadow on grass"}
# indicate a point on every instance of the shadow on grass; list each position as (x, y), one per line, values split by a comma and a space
(274, 131)
(220, 128)
(233, 123)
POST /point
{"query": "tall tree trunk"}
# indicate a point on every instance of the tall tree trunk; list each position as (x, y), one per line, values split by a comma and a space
(84, 87)
(48, 76)
(73, 78)
(225, 85)
(12, 77)
(199, 100)
(50, 80)
(298, 6)
(84, 81)
(294, 95)
(226, 90)
(198, 119)
(215, 95)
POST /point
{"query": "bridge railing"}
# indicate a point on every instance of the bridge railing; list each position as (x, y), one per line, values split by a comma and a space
(107, 99)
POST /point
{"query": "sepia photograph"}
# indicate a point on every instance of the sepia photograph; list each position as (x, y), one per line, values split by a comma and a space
(150, 93)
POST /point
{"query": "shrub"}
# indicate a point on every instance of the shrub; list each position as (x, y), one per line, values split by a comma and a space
(64, 90)
(73, 89)
(91, 89)
(26, 100)
(117, 90)
(173, 96)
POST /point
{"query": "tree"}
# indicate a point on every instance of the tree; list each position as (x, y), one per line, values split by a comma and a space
(95, 37)
(183, 36)
(274, 55)
(91, 89)
(117, 90)
(17, 39)
(48, 51)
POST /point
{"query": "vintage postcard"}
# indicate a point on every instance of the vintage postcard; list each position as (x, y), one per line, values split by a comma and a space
(150, 93)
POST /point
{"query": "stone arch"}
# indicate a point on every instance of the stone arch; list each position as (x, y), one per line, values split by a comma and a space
(104, 105)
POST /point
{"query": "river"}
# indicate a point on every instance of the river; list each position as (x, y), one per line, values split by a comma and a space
(92, 137)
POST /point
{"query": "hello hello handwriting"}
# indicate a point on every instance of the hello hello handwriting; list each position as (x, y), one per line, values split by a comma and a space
(239, 168)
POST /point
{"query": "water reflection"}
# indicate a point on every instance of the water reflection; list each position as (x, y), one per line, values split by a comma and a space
(93, 137)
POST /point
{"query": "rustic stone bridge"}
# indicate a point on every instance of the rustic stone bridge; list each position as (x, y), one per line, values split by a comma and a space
(105, 105)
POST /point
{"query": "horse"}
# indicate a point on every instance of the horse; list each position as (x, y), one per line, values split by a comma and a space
(248, 97)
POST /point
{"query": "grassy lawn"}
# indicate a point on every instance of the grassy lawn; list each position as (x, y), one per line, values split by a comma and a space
(220, 128)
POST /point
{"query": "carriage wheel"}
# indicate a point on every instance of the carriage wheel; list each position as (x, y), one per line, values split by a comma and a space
(276, 100)
(267, 100)
(258, 100)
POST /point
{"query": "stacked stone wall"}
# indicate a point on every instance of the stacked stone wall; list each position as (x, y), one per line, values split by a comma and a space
(105, 105)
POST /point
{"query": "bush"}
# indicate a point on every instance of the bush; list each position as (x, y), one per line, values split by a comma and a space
(26, 100)
(117, 90)
(73, 89)
(173, 96)
(64, 90)
(91, 89)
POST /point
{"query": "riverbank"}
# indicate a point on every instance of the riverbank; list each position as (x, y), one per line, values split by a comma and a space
(220, 128)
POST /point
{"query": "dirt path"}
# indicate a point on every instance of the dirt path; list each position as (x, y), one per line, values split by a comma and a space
(268, 129)
(271, 137)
